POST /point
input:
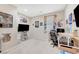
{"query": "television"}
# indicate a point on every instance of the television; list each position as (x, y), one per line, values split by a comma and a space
(60, 30)
(23, 27)
(76, 14)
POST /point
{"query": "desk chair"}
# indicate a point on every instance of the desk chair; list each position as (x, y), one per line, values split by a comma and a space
(53, 37)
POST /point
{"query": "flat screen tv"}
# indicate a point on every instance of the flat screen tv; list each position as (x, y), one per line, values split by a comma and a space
(76, 14)
(23, 27)
(60, 30)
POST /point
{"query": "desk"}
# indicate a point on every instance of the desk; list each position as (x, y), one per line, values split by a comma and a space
(70, 50)
(74, 49)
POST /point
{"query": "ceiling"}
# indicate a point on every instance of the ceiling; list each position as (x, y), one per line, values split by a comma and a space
(38, 9)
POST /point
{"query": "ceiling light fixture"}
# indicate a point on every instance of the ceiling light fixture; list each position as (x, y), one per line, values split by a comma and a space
(25, 10)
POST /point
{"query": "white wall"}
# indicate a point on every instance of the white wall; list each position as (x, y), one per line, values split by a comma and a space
(39, 33)
(20, 15)
(36, 33)
(69, 9)
(10, 10)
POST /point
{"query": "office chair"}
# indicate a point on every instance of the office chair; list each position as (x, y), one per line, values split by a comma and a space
(53, 37)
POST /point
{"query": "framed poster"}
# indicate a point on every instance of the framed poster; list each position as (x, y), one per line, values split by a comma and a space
(70, 22)
(6, 37)
(70, 18)
(23, 19)
(6, 20)
(37, 24)
(41, 23)
(60, 24)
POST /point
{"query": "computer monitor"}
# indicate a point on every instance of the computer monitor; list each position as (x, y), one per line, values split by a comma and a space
(60, 30)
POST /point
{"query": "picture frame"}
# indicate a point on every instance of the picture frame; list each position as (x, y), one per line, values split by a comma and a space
(41, 23)
(6, 37)
(6, 20)
(70, 18)
(23, 19)
(37, 24)
(60, 24)
(70, 22)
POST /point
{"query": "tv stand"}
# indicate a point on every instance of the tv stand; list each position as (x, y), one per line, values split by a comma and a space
(24, 36)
